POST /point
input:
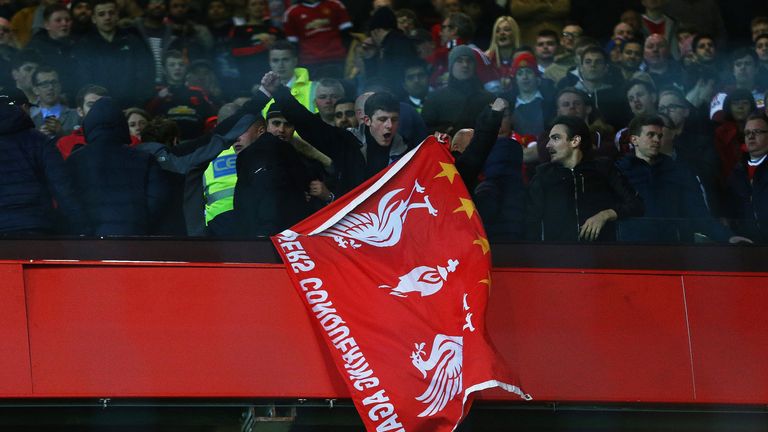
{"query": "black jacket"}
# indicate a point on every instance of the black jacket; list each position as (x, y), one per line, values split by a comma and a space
(58, 54)
(673, 200)
(750, 201)
(269, 194)
(455, 106)
(271, 182)
(560, 200)
(396, 52)
(31, 174)
(338, 144)
(124, 66)
(123, 189)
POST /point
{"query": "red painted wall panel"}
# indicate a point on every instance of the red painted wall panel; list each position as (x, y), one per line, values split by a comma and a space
(187, 330)
(585, 336)
(171, 331)
(729, 333)
(15, 376)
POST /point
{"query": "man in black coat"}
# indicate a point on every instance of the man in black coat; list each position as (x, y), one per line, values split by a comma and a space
(123, 189)
(748, 183)
(114, 58)
(396, 50)
(576, 197)
(271, 177)
(673, 199)
(32, 173)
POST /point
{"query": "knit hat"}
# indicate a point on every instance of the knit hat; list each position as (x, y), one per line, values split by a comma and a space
(524, 60)
(460, 51)
(382, 18)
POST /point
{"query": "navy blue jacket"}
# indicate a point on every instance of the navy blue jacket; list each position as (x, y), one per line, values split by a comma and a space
(31, 174)
(750, 201)
(123, 189)
(674, 203)
(500, 196)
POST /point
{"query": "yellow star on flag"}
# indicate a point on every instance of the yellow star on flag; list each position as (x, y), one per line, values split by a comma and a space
(483, 243)
(449, 171)
(466, 206)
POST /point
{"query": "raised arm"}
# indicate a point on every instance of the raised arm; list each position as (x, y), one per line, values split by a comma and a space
(311, 127)
(471, 161)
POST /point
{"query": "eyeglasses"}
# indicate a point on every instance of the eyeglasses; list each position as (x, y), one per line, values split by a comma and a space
(754, 133)
(49, 83)
(341, 114)
(571, 35)
(667, 108)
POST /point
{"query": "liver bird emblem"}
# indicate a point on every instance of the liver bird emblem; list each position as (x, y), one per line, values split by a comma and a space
(380, 229)
(445, 363)
(423, 279)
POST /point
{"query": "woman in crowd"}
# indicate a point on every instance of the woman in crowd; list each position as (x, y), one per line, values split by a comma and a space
(504, 42)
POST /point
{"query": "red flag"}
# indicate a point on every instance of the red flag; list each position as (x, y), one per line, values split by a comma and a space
(396, 274)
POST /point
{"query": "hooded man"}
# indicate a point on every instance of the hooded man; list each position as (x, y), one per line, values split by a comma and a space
(33, 170)
(122, 188)
(396, 50)
(455, 106)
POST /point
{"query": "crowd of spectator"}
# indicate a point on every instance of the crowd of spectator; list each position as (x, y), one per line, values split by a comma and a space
(570, 120)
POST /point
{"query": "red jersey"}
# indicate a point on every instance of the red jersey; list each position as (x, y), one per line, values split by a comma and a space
(317, 28)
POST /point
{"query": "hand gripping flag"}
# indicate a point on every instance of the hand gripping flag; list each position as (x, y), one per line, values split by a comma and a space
(396, 274)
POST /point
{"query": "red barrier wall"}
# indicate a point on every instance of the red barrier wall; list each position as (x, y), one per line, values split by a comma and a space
(239, 330)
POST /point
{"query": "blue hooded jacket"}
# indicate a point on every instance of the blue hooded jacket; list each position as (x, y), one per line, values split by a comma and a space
(32, 174)
(122, 189)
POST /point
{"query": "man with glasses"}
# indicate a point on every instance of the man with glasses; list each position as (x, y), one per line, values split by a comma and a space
(50, 116)
(566, 59)
(693, 145)
(748, 183)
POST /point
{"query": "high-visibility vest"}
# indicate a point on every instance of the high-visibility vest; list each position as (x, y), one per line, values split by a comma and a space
(219, 182)
(302, 89)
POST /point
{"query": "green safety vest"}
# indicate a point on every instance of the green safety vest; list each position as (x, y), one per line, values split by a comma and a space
(219, 182)
(302, 89)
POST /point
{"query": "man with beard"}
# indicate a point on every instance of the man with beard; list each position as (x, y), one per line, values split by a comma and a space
(631, 58)
(81, 18)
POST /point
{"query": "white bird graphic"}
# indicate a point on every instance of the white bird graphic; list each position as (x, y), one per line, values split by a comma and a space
(446, 361)
(423, 279)
(380, 229)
